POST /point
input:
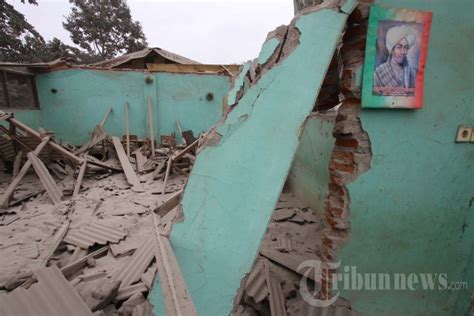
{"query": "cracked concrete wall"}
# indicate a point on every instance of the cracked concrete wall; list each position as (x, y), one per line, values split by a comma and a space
(412, 211)
(235, 182)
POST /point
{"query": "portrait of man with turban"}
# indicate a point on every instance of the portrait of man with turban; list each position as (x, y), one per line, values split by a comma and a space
(396, 77)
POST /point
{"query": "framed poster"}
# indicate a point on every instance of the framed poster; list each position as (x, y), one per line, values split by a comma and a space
(395, 56)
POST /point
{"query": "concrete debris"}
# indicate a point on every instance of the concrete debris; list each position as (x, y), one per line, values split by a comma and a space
(110, 212)
(272, 283)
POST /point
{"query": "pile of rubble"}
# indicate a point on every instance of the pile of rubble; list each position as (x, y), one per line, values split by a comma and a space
(273, 285)
(92, 222)
(83, 238)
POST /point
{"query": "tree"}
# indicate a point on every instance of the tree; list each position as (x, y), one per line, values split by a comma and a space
(20, 42)
(104, 28)
(16, 35)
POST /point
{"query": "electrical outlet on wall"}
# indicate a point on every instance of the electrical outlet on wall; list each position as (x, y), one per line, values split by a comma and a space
(464, 135)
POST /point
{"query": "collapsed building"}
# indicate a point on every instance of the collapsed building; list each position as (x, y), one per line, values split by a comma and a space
(151, 183)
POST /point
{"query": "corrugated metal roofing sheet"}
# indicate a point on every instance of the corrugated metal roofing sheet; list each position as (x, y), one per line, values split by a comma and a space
(51, 296)
(7, 150)
(46, 179)
(97, 233)
(283, 214)
(284, 244)
(29, 250)
(138, 263)
(117, 61)
(276, 298)
(256, 285)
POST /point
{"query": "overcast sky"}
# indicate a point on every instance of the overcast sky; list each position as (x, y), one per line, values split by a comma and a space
(213, 32)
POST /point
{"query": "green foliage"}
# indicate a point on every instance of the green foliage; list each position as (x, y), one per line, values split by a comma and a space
(17, 37)
(104, 28)
(20, 42)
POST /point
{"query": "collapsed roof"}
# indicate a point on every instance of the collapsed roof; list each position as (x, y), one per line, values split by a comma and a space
(138, 60)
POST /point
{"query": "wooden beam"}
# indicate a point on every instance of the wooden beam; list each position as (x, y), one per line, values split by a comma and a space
(45, 177)
(140, 159)
(193, 68)
(167, 173)
(80, 177)
(126, 166)
(186, 150)
(180, 130)
(94, 161)
(53, 145)
(175, 292)
(17, 163)
(127, 131)
(56, 241)
(106, 116)
(11, 188)
(71, 268)
(169, 204)
(150, 126)
(158, 169)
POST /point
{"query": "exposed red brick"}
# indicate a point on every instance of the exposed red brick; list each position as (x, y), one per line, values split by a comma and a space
(345, 157)
(348, 168)
(335, 211)
(346, 142)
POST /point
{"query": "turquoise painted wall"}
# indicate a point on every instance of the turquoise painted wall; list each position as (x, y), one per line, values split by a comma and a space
(183, 98)
(83, 97)
(235, 184)
(412, 212)
(309, 174)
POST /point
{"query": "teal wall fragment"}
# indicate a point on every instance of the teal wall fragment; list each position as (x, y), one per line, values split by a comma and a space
(309, 174)
(235, 184)
(268, 48)
(83, 97)
(412, 212)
